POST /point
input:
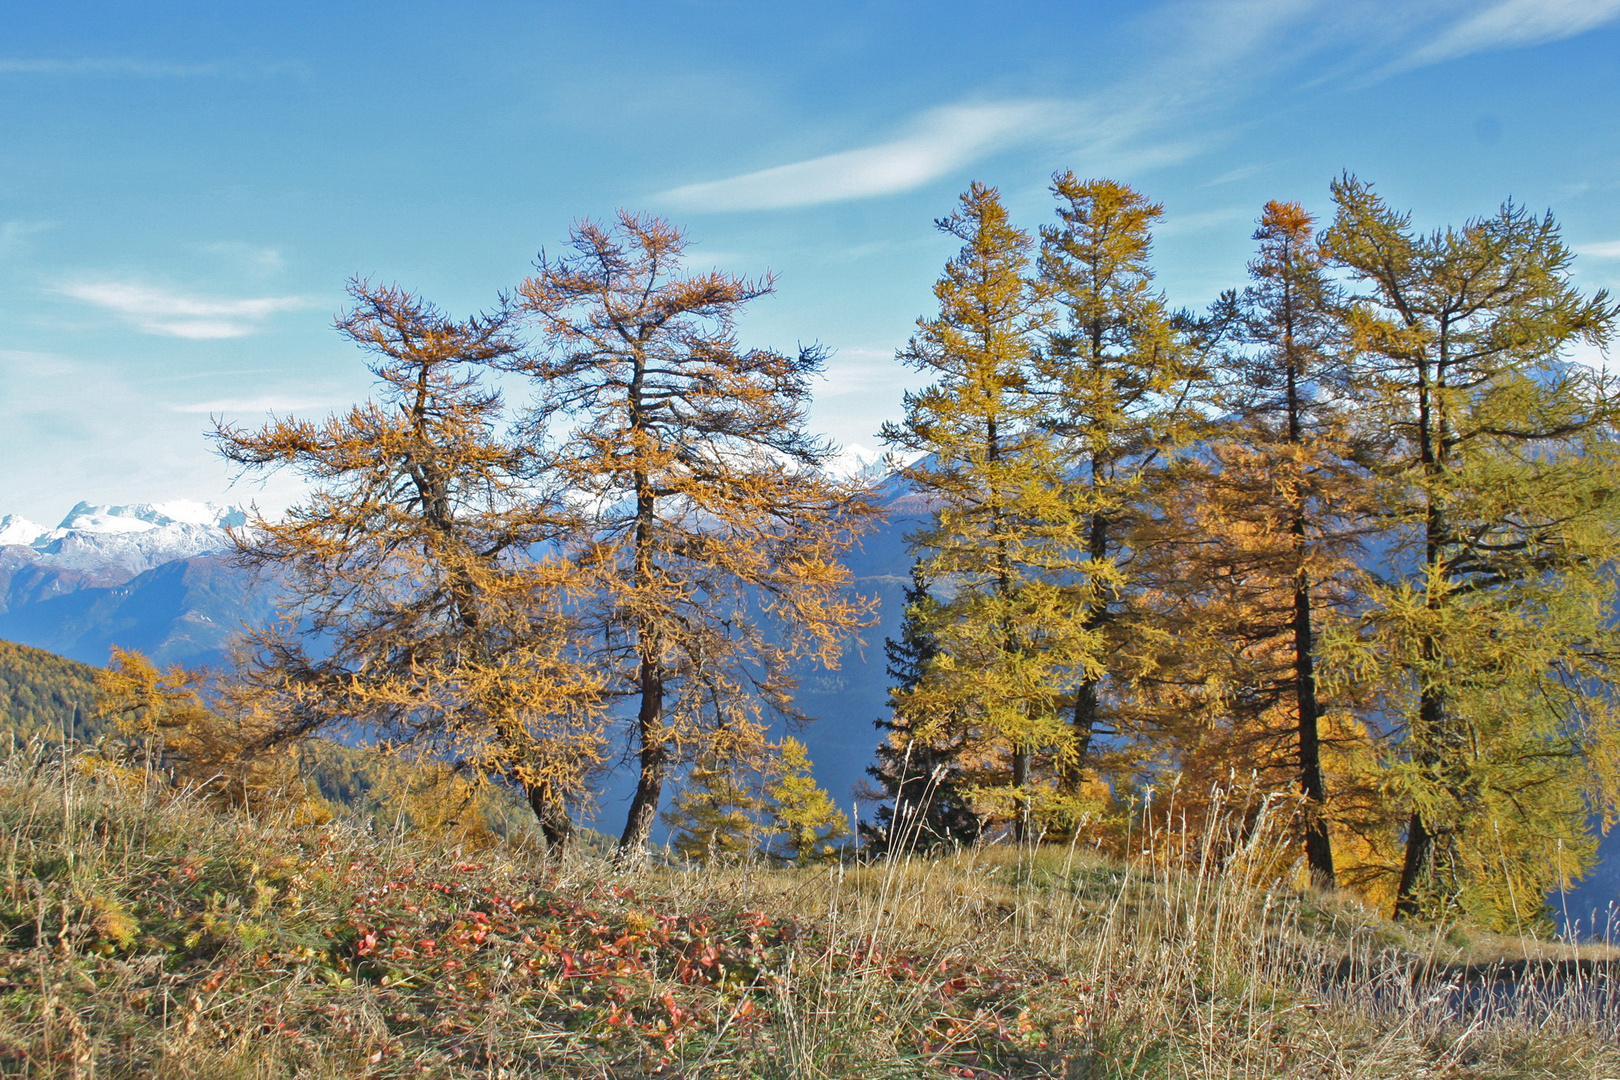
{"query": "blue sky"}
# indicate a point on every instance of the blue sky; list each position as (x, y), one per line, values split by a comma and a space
(184, 188)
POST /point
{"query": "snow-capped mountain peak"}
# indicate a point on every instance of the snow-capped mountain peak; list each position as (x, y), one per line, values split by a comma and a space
(19, 531)
(201, 513)
(856, 462)
(141, 517)
(115, 542)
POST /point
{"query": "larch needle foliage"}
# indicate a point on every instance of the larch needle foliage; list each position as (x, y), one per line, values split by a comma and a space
(1252, 549)
(743, 802)
(1003, 540)
(1490, 619)
(425, 606)
(1117, 373)
(199, 734)
(707, 539)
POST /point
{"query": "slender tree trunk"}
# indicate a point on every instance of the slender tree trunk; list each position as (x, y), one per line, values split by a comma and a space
(1009, 642)
(1318, 842)
(1418, 863)
(1086, 704)
(652, 740)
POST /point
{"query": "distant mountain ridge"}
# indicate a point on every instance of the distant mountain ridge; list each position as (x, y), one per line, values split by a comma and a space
(150, 576)
(112, 540)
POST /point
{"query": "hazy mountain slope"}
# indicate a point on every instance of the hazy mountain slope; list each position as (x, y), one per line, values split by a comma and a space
(845, 703)
(184, 611)
(143, 576)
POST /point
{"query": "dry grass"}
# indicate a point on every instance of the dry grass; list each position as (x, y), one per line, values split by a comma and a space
(148, 936)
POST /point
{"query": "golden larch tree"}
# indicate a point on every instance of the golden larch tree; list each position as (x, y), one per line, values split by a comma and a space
(1001, 542)
(424, 601)
(1116, 376)
(1490, 614)
(708, 537)
(1262, 522)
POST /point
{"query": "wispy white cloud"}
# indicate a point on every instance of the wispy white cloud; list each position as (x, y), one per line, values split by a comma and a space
(1208, 219)
(861, 369)
(171, 314)
(259, 260)
(14, 234)
(1608, 249)
(106, 66)
(1201, 59)
(250, 405)
(1512, 24)
(1199, 50)
(1232, 176)
(940, 141)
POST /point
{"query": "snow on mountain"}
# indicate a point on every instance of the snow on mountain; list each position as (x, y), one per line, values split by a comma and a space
(142, 517)
(117, 542)
(856, 462)
(20, 531)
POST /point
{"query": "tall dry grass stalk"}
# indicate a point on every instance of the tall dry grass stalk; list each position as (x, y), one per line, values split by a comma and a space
(146, 935)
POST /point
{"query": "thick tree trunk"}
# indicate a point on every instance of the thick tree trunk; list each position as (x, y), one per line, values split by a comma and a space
(1020, 779)
(555, 824)
(1414, 868)
(1431, 846)
(1085, 729)
(636, 839)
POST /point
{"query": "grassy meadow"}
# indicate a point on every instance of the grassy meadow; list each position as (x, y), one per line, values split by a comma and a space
(147, 934)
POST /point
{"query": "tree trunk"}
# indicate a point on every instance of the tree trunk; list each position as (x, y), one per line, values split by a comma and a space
(1318, 842)
(1084, 725)
(1420, 837)
(555, 824)
(636, 839)
(1419, 861)
(1085, 697)
(1020, 779)
(1419, 857)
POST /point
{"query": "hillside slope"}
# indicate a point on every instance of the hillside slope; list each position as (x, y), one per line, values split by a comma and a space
(38, 692)
(144, 936)
(181, 611)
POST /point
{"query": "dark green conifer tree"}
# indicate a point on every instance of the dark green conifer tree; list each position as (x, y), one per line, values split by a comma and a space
(921, 777)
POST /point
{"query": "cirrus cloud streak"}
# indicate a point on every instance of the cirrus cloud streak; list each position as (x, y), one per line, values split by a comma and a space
(172, 314)
(1513, 24)
(941, 140)
(1214, 55)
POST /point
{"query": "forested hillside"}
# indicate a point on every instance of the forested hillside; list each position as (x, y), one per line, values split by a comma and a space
(39, 692)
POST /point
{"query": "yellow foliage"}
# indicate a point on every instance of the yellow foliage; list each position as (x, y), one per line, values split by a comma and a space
(222, 748)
